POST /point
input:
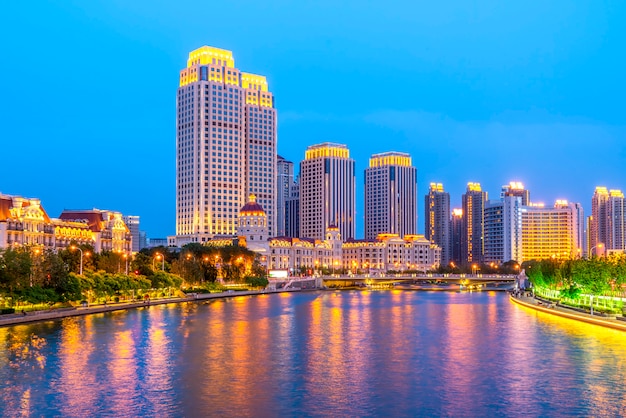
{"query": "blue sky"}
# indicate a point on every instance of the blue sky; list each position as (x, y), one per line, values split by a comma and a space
(485, 91)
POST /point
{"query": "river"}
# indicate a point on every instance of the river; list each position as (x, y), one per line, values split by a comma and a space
(343, 353)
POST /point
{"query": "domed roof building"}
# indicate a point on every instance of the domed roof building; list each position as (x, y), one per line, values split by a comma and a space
(253, 226)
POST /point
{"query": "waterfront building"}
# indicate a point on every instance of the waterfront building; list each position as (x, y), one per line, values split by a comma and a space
(456, 234)
(503, 229)
(292, 211)
(390, 195)
(253, 229)
(437, 220)
(23, 221)
(284, 183)
(109, 231)
(390, 252)
(327, 191)
(608, 221)
(473, 245)
(225, 146)
(132, 222)
(550, 232)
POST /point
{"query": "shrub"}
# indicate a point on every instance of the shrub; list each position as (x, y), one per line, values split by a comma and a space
(5, 311)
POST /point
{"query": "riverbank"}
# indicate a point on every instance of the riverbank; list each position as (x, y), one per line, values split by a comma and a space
(60, 313)
(552, 309)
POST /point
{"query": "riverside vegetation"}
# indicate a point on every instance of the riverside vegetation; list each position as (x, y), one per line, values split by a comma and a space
(32, 279)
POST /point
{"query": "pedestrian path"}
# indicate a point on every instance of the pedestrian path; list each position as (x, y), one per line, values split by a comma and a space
(554, 309)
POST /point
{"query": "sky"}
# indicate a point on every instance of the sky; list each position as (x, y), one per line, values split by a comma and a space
(476, 91)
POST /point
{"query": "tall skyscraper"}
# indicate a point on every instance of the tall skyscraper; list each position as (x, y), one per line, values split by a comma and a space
(473, 223)
(456, 227)
(292, 211)
(225, 146)
(437, 220)
(327, 191)
(390, 195)
(608, 221)
(284, 171)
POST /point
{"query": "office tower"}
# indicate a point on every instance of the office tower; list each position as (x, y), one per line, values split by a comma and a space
(503, 229)
(132, 222)
(225, 146)
(579, 229)
(456, 234)
(550, 232)
(284, 171)
(608, 223)
(515, 188)
(390, 195)
(598, 230)
(437, 220)
(327, 191)
(473, 223)
(292, 209)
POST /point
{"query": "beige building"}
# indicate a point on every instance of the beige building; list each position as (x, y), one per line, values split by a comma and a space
(550, 232)
(225, 146)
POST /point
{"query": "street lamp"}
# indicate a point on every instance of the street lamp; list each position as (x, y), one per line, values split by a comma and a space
(598, 246)
(74, 247)
(474, 269)
(159, 256)
(126, 259)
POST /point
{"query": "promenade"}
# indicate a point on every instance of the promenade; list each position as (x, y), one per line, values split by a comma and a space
(59, 313)
(554, 309)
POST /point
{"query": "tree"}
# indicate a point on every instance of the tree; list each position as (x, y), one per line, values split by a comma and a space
(15, 268)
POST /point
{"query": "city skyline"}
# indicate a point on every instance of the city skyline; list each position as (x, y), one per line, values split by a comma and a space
(461, 110)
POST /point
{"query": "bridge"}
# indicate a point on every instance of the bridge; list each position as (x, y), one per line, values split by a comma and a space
(429, 281)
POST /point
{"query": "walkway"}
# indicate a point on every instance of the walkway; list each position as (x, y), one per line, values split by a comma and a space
(36, 316)
(532, 303)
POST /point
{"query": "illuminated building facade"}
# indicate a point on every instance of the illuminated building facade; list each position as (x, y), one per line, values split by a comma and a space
(225, 146)
(515, 188)
(437, 220)
(550, 232)
(306, 254)
(456, 234)
(24, 222)
(253, 226)
(473, 243)
(607, 227)
(132, 222)
(390, 195)
(390, 252)
(327, 191)
(284, 179)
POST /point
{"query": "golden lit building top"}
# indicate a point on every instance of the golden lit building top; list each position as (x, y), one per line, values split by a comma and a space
(327, 149)
(390, 158)
(516, 185)
(601, 190)
(457, 212)
(436, 187)
(210, 55)
(474, 187)
(253, 81)
(616, 193)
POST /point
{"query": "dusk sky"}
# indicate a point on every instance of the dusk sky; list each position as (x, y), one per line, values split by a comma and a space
(485, 91)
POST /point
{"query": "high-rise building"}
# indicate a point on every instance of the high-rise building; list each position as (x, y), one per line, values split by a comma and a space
(456, 234)
(284, 172)
(292, 211)
(437, 220)
(550, 232)
(515, 188)
(390, 195)
(608, 221)
(225, 146)
(132, 222)
(327, 191)
(503, 229)
(473, 224)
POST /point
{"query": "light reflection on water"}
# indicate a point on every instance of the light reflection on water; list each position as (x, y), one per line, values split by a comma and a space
(316, 354)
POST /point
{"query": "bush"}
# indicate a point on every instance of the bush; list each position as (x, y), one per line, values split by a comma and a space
(5, 311)
(116, 299)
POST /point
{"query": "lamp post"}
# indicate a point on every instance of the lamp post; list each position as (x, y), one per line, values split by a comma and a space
(598, 246)
(159, 256)
(126, 259)
(74, 247)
